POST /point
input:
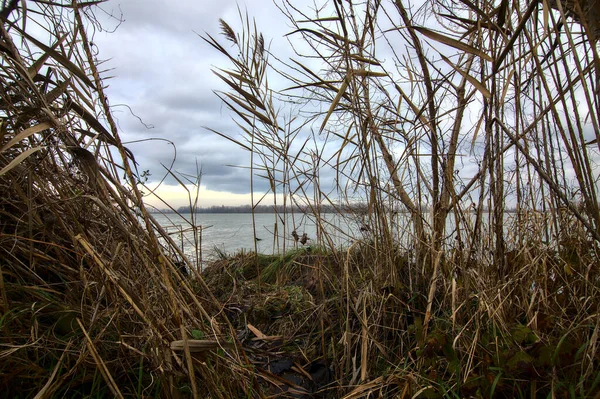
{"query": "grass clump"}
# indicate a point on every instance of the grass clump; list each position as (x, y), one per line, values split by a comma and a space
(91, 301)
(469, 352)
(462, 284)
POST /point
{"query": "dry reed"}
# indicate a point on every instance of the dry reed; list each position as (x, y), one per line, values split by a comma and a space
(93, 303)
(468, 299)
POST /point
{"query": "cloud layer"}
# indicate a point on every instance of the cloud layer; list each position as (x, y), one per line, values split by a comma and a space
(162, 85)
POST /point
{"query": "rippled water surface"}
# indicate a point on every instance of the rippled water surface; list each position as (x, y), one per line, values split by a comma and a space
(233, 232)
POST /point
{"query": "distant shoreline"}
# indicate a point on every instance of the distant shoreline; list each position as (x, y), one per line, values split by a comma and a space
(270, 209)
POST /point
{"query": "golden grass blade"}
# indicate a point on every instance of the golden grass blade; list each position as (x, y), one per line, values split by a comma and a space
(387, 278)
(364, 389)
(82, 94)
(417, 111)
(476, 83)
(264, 119)
(317, 78)
(200, 345)
(64, 61)
(189, 361)
(476, 132)
(210, 40)
(237, 76)
(502, 11)
(248, 96)
(546, 15)
(482, 14)
(26, 133)
(108, 378)
(364, 59)
(47, 390)
(365, 73)
(510, 45)
(256, 331)
(20, 158)
(91, 120)
(37, 65)
(323, 35)
(327, 85)
(364, 345)
(10, 351)
(278, 381)
(112, 276)
(56, 92)
(453, 43)
(177, 179)
(324, 19)
(507, 85)
(335, 101)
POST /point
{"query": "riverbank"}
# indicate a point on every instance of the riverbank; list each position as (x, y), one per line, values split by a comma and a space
(312, 323)
(320, 324)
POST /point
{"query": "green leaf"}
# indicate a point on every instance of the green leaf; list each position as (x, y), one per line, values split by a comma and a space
(519, 361)
(523, 335)
(544, 356)
(197, 334)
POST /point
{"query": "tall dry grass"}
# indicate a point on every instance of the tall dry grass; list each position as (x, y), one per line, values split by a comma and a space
(93, 303)
(395, 101)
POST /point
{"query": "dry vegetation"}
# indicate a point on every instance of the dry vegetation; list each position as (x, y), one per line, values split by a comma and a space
(93, 302)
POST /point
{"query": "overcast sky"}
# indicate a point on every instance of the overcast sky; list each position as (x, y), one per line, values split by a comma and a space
(161, 89)
(161, 69)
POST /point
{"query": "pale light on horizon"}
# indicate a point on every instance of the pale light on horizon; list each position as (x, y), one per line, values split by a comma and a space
(176, 196)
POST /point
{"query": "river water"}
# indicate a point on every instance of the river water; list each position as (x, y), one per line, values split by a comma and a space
(230, 233)
(233, 232)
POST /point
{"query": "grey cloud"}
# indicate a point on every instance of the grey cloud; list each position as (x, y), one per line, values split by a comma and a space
(169, 16)
(161, 69)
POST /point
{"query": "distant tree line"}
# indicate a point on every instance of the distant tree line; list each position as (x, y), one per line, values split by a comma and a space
(357, 208)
